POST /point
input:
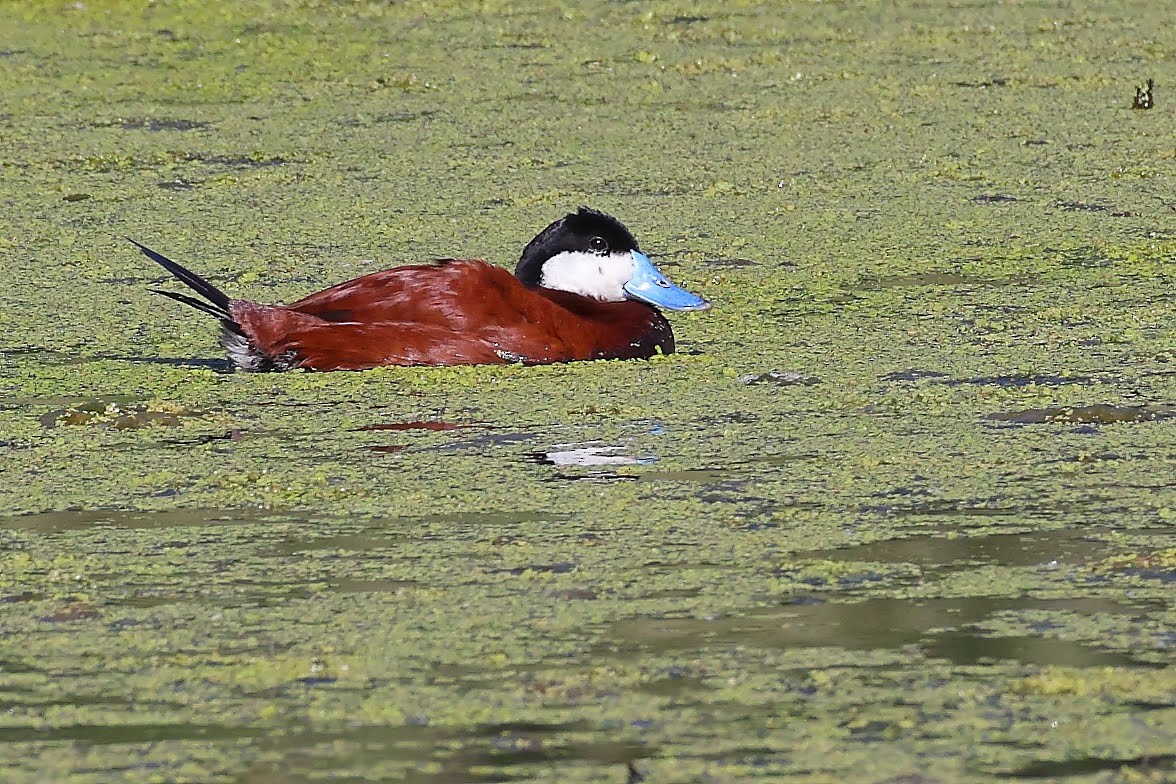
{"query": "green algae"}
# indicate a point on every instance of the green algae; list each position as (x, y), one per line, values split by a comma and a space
(118, 415)
(806, 548)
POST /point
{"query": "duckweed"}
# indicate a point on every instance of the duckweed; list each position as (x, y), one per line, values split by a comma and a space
(899, 510)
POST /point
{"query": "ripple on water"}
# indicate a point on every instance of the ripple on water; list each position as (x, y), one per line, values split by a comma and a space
(1095, 414)
(939, 628)
(76, 520)
(1059, 546)
(125, 733)
(483, 750)
(1056, 769)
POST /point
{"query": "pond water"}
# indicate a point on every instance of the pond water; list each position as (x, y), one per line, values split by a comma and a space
(900, 510)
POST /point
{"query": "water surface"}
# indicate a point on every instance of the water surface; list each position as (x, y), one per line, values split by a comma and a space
(901, 510)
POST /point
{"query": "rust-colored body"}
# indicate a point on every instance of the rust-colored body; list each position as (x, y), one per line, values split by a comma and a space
(454, 312)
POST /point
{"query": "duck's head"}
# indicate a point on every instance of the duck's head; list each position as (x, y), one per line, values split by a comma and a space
(594, 255)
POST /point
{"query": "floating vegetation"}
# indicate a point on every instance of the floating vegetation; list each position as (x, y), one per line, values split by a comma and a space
(779, 378)
(994, 198)
(120, 415)
(707, 565)
(434, 425)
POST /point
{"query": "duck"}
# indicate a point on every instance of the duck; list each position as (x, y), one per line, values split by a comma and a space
(582, 290)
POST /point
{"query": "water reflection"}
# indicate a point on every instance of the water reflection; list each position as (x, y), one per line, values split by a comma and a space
(1060, 546)
(1094, 414)
(876, 623)
(962, 647)
(450, 755)
(938, 628)
(590, 455)
(1143, 765)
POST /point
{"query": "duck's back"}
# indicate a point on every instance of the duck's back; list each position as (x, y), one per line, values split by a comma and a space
(453, 292)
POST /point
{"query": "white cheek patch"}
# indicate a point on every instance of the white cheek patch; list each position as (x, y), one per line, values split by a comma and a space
(589, 274)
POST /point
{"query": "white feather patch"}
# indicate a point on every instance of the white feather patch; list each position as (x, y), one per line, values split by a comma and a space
(242, 354)
(590, 274)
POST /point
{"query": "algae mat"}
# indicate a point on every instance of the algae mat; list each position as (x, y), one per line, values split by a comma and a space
(901, 510)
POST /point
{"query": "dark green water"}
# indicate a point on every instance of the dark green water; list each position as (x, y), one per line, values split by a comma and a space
(901, 510)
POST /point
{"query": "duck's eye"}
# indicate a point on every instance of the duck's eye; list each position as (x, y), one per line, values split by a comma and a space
(598, 245)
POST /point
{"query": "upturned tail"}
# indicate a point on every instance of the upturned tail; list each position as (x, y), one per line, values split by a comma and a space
(215, 302)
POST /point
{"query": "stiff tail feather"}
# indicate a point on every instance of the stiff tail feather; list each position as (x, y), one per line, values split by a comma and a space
(215, 302)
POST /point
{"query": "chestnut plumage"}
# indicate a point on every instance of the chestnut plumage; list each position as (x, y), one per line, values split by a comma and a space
(582, 291)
